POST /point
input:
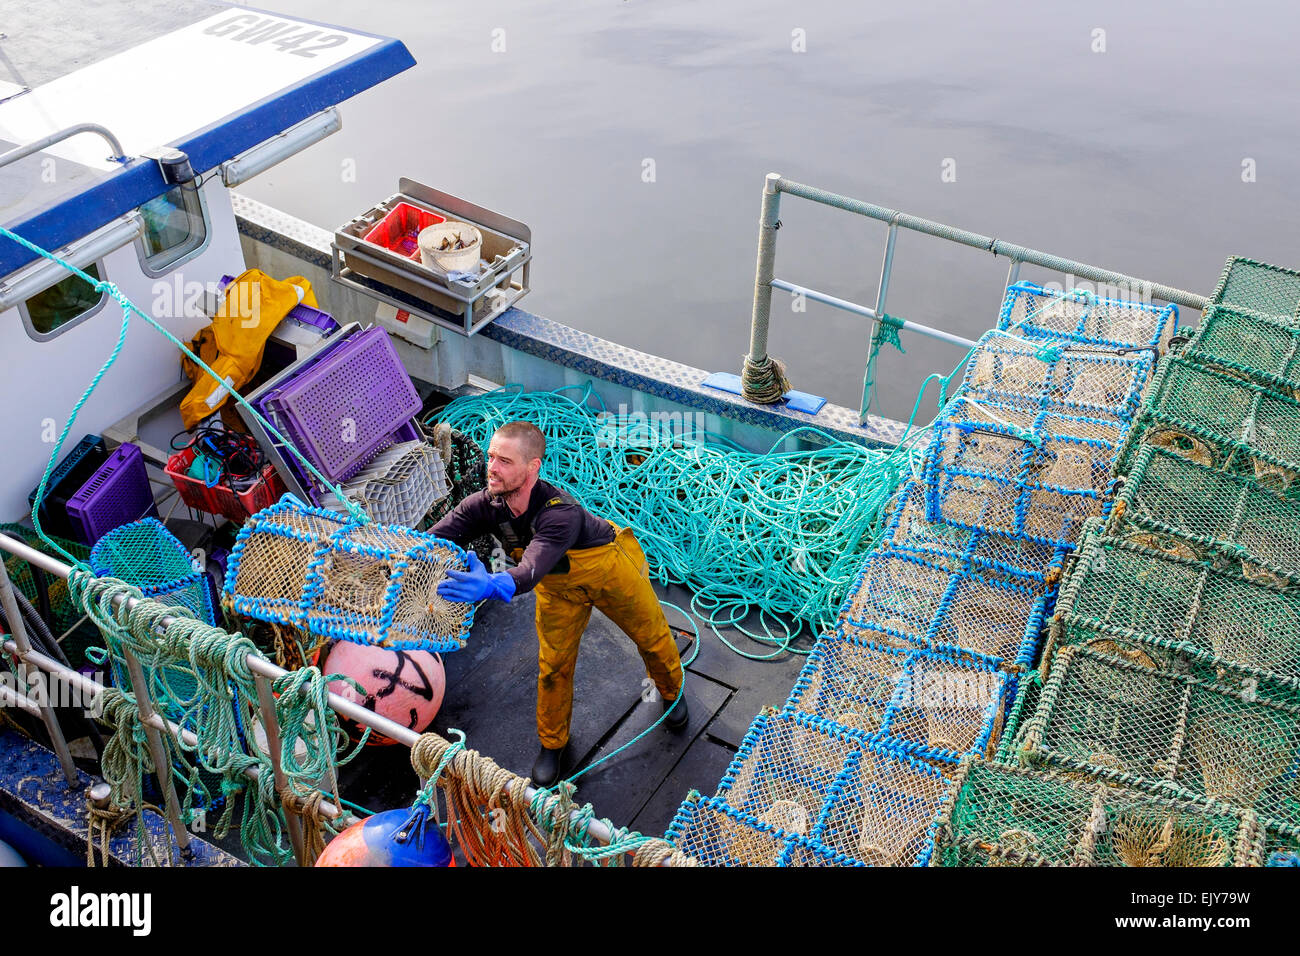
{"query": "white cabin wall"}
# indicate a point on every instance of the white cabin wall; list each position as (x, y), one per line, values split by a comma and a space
(41, 381)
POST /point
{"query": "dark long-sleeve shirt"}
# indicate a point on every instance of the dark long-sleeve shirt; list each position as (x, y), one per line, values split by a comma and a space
(552, 524)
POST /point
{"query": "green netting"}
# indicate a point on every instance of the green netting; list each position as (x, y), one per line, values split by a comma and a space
(1155, 602)
(62, 609)
(1139, 726)
(1211, 511)
(1257, 285)
(1010, 816)
(1026, 702)
(1221, 421)
(145, 554)
(1250, 344)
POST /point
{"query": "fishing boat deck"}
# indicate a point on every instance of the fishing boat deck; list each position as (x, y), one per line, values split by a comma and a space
(492, 684)
(492, 692)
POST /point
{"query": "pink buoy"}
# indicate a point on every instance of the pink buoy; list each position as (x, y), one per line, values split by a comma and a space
(404, 686)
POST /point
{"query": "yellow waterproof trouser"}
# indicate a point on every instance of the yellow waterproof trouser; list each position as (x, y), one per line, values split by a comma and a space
(615, 578)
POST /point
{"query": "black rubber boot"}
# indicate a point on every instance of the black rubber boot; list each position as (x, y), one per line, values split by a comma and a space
(677, 720)
(546, 769)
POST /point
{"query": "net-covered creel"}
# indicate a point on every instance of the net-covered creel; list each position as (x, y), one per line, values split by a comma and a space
(1209, 510)
(145, 554)
(1001, 815)
(992, 615)
(938, 706)
(64, 613)
(910, 532)
(1221, 421)
(1083, 316)
(371, 584)
(1246, 343)
(1154, 599)
(878, 809)
(1234, 742)
(1066, 377)
(1021, 472)
(1250, 284)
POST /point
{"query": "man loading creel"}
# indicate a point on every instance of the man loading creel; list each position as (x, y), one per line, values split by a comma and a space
(575, 561)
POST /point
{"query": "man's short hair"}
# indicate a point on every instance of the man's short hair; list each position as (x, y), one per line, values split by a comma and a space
(529, 436)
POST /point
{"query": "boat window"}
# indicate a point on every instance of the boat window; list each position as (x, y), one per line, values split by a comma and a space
(62, 305)
(174, 227)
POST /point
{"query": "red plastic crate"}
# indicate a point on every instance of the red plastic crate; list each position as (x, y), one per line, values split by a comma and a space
(399, 231)
(220, 500)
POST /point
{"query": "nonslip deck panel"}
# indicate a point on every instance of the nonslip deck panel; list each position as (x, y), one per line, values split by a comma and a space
(33, 792)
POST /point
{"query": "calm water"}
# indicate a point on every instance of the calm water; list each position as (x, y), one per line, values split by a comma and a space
(1130, 159)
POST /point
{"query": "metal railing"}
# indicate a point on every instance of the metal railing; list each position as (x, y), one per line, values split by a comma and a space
(765, 279)
(20, 650)
(45, 142)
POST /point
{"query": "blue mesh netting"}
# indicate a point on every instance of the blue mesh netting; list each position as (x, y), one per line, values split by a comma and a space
(1080, 316)
(370, 584)
(946, 615)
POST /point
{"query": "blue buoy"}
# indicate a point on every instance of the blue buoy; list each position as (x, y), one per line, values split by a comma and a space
(392, 838)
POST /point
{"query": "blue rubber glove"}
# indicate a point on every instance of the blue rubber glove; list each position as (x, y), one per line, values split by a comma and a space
(469, 587)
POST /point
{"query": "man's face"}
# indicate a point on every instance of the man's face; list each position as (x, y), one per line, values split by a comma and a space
(507, 466)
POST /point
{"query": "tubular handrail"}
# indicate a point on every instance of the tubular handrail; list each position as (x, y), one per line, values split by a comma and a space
(260, 667)
(45, 142)
(765, 279)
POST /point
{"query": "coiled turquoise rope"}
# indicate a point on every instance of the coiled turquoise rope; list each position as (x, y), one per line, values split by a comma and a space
(780, 533)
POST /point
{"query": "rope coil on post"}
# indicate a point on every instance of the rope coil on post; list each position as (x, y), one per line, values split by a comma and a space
(764, 381)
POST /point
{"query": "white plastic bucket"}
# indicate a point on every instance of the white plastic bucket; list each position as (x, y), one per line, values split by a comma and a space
(451, 260)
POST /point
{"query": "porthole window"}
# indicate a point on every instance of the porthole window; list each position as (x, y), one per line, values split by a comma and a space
(174, 227)
(64, 304)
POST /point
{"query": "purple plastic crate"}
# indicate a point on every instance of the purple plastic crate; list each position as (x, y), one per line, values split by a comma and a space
(344, 406)
(116, 494)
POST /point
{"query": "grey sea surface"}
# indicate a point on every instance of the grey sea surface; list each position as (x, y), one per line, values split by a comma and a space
(1150, 138)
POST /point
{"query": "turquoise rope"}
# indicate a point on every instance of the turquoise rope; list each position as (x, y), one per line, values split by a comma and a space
(780, 533)
(103, 286)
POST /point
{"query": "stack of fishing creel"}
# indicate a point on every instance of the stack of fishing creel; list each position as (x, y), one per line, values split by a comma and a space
(1173, 668)
(902, 704)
